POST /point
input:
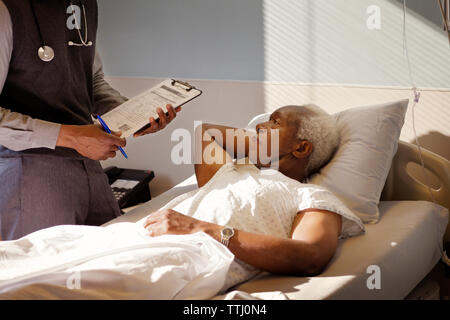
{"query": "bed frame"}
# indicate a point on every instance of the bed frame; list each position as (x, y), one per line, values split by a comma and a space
(400, 185)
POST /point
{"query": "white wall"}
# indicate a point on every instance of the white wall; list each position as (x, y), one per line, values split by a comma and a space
(324, 41)
(198, 39)
(303, 41)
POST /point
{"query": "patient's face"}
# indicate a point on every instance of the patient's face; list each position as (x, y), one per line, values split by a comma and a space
(285, 121)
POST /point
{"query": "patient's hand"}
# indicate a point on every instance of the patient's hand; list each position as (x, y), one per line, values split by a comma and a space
(172, 222)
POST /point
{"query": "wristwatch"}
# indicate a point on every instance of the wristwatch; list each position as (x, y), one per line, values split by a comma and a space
(225, 235)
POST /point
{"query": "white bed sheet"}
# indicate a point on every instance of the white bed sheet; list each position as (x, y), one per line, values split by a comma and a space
(406, 244)
(125, 263)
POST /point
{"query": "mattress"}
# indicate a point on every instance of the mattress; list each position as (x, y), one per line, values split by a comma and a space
(386, 263)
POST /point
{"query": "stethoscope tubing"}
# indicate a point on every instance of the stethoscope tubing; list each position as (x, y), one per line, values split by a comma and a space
(46, 53)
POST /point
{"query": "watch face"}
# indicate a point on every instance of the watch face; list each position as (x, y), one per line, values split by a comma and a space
(227, 232)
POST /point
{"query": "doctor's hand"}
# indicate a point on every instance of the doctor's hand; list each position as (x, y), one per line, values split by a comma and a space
(161, 123)
(90, 141)
(169, 221)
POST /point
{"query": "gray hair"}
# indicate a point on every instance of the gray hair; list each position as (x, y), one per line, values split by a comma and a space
(319, 128)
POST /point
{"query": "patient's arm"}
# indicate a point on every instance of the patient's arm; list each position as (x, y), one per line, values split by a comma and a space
(313, 241)
(312, 244)
(218, 138)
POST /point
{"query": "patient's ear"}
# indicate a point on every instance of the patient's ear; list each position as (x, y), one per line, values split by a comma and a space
(303, 149)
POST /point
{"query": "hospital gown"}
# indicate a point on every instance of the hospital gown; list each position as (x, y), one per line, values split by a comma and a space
(259, 201)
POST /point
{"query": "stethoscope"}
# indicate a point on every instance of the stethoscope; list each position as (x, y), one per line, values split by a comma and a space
(46, 53)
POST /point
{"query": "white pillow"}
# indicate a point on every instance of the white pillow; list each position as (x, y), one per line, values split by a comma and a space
(358, 171)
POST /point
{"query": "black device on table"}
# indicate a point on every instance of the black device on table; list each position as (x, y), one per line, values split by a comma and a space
(129, 186)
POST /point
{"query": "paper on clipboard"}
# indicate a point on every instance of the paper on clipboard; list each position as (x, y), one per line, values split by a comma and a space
(135, 113)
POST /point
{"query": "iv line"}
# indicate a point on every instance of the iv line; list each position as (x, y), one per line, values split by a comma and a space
(416, 100)
(444, 258)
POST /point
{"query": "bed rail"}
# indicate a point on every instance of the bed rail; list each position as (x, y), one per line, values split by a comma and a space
(400, 185)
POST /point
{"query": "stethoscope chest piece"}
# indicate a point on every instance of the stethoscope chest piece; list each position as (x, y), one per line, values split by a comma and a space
(46, 53)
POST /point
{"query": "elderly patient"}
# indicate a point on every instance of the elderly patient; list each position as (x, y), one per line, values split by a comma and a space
(281, 225)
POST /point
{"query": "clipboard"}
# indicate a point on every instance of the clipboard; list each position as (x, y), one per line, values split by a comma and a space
(133, 115)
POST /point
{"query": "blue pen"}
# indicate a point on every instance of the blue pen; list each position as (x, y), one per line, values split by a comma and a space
(109, 131)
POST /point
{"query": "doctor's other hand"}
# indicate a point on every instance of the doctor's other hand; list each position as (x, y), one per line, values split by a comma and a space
(163, 120)
(90, 141)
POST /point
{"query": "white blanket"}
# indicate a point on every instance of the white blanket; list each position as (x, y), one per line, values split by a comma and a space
(115, 262)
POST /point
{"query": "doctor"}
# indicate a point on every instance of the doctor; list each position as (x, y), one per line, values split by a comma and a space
(51, 82)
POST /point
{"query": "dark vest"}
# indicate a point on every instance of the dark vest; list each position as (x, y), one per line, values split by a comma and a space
(58, 91)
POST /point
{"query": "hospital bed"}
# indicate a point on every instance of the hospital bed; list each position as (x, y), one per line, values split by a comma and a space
(403, 247)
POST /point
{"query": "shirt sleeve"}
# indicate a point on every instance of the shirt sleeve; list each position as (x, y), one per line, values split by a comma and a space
(106, 97)
(317, 197)
(17, 131)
